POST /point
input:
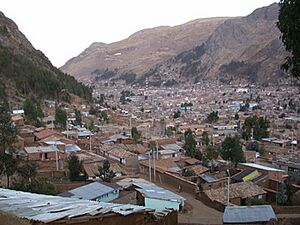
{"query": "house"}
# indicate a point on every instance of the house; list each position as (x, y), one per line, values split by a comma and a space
(152, 196)
(53, 210)
(273, 173)
(169, 151)
(96, 191)
(257, 214)
(210, 181)
(48, 157)
(239, 193)
(18, 120)
(248, 175)
(119, 154)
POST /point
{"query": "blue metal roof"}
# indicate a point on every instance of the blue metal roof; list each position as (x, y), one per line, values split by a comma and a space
(248, 214)
(90, 191)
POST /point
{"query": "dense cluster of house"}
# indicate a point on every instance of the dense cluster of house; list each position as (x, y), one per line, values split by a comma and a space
(158, 156)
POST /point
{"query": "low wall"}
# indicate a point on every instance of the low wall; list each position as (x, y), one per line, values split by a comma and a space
(286, 209)
(172, 180)
(66, 186)
(208, 202)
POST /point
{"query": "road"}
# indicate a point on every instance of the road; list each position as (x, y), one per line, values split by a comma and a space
(197, 212)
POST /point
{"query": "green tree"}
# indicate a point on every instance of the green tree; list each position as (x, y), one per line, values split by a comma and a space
(28, 170)
(232, 150)
(77, 117)
(8, 166)
(211, 152)
(205, 138)
(75, 167)
(60, 118)
(8, 131)
(213, 117)
(190, 144)
(105, 173)
(177, 114)
(236, 116)
(281, 196)
(33, 111)
(259, 125)
(135, 134)
(288, 24)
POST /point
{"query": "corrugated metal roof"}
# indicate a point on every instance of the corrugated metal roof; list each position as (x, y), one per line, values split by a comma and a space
(41, 149)
(90, 191)
(48, 208)
(258, 166)
(248, 214)
(150, 190)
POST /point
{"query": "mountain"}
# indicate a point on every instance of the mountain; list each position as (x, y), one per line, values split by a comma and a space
(25, 71)
(246, 49)
(132, 57)
(243, 49)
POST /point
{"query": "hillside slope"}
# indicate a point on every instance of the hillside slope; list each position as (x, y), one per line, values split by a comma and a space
(25, 71)
(130, 58)
(246, 49)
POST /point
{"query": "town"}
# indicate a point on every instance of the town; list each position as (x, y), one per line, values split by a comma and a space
(187, 153)
(150, 112)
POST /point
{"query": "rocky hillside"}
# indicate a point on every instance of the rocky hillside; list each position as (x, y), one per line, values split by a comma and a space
(25, 71)
(244, 49)
(130, 58)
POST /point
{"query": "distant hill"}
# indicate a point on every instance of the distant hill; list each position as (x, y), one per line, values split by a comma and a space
(244, 49)
(132, 57)
(240, 49)
(25, 71)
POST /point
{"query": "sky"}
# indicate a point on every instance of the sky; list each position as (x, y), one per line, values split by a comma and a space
(62, 29)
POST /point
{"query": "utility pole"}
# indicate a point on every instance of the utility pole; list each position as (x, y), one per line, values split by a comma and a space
(150, 166)
(156, 150)
(153, 155)
(90, 140)
(228, 191)
(56, 157)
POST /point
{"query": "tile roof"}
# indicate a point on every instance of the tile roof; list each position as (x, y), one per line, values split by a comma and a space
(46, 133)
(236, 190)
(199, 169)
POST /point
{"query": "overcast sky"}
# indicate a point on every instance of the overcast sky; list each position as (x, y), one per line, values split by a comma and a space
(64, 28)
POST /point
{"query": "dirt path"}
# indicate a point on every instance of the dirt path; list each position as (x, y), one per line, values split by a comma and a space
(197, 212)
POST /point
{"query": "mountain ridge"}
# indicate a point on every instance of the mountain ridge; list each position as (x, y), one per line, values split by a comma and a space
(26, 71)
(142, 50)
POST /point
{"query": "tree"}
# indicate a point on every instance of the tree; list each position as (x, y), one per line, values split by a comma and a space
(105, 173)
(281, 197)
(135, 134)
(190, 144)
(232, 150)
(75, 167)
(259, 125)
(28, 170)
(60, 118)
(236, 116)
(177, 114)
(213, 117)
(211, 152)
(9, 166)
(33, 111)
(77, 117)
(288, 24)
(8, 131)
(205, 138)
